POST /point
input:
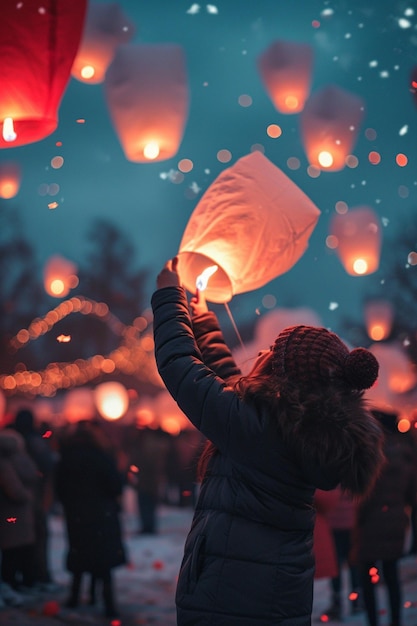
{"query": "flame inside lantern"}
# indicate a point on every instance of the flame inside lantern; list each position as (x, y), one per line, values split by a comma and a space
(202, 280)
(8, 130)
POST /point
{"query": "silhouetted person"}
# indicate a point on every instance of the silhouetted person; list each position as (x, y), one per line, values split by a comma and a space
(45, 460)
(90, 486)
(382, 521)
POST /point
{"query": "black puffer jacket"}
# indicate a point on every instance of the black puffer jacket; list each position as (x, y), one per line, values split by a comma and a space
(248, 557)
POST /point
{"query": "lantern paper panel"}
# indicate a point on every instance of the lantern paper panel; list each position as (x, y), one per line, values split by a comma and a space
(330, 123)
(358, 234)
(379, 315)
(10, 177)
(146, 89)
(253, 223)
(39, 42)
(105, 28)
(286, 69)
(59, 276)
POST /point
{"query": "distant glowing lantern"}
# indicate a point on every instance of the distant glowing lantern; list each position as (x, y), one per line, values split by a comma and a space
(38, 44)
(413, 81)
(253, 223)
(379, 315)
(358, 234)
(330, 122)
(146, 90)
(78, 404)
(396, 374)
(105, 28)
(9, 179)
(59, 276)
(285, 68)
(111, 400)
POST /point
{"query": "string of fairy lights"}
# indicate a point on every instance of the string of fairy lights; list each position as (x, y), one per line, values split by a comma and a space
(134, 356)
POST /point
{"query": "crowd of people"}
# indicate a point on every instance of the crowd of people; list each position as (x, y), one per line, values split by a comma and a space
(84, 473)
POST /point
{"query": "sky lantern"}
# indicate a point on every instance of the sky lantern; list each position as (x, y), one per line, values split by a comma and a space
(330, 122)
(397, 375)
(251, 225)
(286, 68)
(111, 399)
(78, 404)
(379, 316)
(59, 276)
(9, 179)
(358, 234)
(146, 89)
(38, 43)
(105, 28)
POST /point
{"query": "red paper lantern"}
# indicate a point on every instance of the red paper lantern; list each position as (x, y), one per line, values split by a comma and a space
(9, 179)
(38, 43)
(285, 68)
(358, 236)
(146, 90)
(330, 122)
(105, 28)
(252, 225)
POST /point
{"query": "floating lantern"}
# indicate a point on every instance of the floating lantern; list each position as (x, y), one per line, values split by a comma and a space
(9, 179)
(253, 223)
(330, 122)
(38, 44)
(78, 405)
(358, 235)
(413, 81)
(379, 315)
(147, 94)
(397, 374)
(111, 400)
(285, 68)
(105, 28)
(59, 277)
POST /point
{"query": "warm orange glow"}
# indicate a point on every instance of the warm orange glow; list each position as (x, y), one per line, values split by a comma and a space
(285, 68)
(403, 425)
(111, 400)
(105, 28)
(253, 222)
(151, 150)
(171, 425)
(374, 158)
(9, 179)
(330, 123)
(146, 89)
(401, 160)
(379, 316)
(274, 131)
(59, 276)
(359, 235)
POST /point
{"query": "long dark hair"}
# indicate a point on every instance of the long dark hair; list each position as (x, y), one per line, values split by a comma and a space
(329, 426)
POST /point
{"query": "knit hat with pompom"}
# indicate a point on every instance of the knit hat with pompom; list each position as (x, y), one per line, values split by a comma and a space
(312, 357)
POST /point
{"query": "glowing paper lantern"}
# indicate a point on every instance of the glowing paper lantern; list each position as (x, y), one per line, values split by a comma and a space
(253, 223)
(379, 315)
(78, 404)
(111, 400)
(147, 94)
(9, 179)
(358, 233)
(59, 276)
(105, 28)
(330, 122)
(396, 372)
(38, 43)
(285, 68)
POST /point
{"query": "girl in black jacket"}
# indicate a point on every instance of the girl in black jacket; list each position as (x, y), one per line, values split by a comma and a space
(295, 423)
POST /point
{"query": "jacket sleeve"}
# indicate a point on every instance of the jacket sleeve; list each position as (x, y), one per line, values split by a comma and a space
(215, 352)
(205, 398)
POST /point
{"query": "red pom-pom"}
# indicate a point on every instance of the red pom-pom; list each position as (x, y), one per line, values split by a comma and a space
(361, 368)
